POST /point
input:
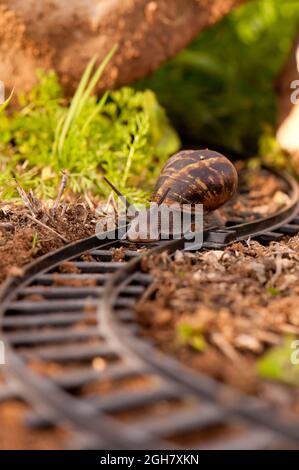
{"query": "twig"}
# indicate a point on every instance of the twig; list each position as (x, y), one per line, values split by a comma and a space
(89, 202)
(36, 203)
(60, 191)
(148, 293)
(225, 347)
(64, 207)
(123, 198)
(25, 198)
(86, 213)
(267, 337)
(47, 228)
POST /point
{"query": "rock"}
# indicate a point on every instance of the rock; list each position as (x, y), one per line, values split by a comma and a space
(64, 35)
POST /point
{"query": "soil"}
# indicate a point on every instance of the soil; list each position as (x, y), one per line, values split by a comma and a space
(260, 194)
(220, 311)
(22, 239)
(242, 300)
(14, 435)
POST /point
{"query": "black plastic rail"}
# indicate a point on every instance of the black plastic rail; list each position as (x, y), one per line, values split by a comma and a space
(74, 353)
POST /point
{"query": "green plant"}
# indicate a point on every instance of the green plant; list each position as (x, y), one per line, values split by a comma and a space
(220, 90)
(270, 150)
(35, 240)
(124, 134)
(273, 291)
(276, 364)
(4, 105)
(191, 336)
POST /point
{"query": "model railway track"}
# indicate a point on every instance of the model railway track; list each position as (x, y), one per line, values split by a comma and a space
(75, 354)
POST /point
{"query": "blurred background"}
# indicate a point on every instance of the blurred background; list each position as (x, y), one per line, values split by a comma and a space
(221, 89)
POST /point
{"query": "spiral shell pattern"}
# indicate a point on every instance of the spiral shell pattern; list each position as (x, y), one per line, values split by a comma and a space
(196, 177)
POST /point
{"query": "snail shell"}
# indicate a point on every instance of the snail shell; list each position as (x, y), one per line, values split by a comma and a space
(196, 177)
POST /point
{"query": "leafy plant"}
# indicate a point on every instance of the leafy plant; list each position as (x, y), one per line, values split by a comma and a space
(124, 134)
(276, 364)
(271, 152)
(191, 336)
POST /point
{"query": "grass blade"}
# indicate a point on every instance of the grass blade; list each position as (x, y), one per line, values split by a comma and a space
(73, 110)
(96, 77)
(96, 111)
(4, 105)
(84, 90)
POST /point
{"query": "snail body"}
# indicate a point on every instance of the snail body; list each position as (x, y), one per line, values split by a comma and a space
(196, 177)
(189, 178)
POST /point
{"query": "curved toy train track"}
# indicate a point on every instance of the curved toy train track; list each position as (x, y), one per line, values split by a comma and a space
(74, 353)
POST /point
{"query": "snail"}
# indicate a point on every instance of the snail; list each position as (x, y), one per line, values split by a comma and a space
(189, 178)
(197, 177)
